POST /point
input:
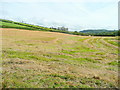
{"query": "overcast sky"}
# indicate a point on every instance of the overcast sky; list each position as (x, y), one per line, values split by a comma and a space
(74, 14)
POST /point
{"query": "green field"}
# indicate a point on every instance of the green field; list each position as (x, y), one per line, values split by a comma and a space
(38, 59)
(12, 25)
(17, 25)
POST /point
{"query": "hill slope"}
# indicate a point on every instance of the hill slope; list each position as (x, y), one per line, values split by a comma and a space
(11, 24)
(38, 59)
(101, 32)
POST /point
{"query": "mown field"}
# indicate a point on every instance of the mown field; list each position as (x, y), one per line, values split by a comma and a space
(38, 59)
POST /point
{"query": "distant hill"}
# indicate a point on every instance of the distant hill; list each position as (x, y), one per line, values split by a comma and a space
(100, 32)
(96, 31)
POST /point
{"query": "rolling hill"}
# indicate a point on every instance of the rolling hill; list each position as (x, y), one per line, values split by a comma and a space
(101, 32)
(11, 24)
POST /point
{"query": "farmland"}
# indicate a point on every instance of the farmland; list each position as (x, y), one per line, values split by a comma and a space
(20, 25)
(39, 59)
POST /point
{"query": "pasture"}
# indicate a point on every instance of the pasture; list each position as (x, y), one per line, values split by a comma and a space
(39, 59)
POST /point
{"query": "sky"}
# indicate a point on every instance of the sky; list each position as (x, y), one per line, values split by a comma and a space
(77, 15)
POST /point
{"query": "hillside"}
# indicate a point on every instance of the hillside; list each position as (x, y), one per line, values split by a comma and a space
(96, 31)
(101, 32)
(38, 59)
(11, 24)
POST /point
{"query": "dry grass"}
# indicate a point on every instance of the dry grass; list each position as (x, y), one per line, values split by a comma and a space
(48, 59)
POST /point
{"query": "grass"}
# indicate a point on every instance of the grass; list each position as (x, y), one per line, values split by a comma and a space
(12, 25)
(25, 55)
(114, 63)
(113, 41)
(38, 59)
